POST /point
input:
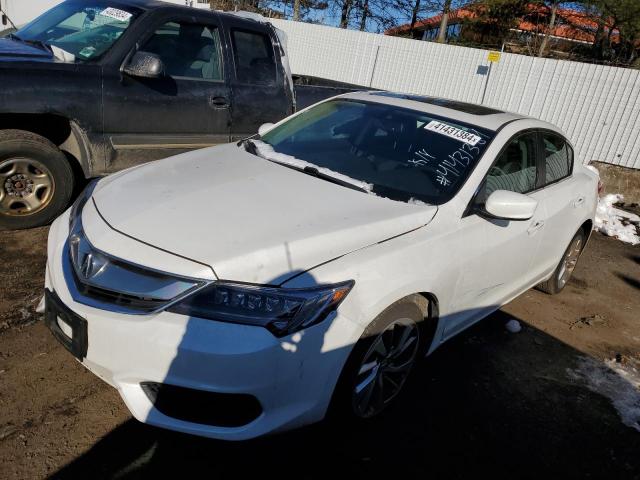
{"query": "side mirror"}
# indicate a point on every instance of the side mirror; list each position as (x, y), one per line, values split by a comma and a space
(510, 205)
(264, 128)
(144, 64)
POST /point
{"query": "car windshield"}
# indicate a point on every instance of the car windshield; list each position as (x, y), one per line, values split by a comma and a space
(78, 31)
(393, 152)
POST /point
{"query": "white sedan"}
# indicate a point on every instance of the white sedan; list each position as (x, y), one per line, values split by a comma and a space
(254, 287)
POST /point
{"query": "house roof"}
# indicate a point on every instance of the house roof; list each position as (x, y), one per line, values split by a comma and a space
(570, 24)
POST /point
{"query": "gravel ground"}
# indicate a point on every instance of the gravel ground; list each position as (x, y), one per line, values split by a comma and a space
(528, 405)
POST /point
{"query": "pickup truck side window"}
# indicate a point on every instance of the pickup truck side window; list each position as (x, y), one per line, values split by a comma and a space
(188, 50)
(558, 158)
(253, 55)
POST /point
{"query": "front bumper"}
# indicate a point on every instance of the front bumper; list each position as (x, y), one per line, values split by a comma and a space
(291, 378)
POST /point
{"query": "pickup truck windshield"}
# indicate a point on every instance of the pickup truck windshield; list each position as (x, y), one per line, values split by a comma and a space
(399, 153)
(78, 31)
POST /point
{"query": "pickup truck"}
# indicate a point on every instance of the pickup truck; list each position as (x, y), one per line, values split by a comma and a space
(92, 87)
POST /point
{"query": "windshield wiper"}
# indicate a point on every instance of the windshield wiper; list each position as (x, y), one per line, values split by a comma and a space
(314, 172)
(250, 147)
(37, 43)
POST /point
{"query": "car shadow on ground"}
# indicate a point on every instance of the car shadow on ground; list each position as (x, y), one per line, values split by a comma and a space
(488, 402)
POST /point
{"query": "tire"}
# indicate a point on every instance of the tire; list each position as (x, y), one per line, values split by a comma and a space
(36, 180)
(346, 404)
(567, 264)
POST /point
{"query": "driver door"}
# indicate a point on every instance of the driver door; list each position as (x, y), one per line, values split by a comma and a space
(187, 108)
(497, 261)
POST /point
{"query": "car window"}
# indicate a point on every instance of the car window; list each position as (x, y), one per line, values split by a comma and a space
(188, 50)
(400, 153)
(253, 56)
(515, 169)
(558, 157)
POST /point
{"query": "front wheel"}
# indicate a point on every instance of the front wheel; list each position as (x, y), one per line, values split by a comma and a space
(565, 268)
(380, 362)
(36, 180)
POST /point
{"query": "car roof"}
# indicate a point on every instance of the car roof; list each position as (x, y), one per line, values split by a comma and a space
(474, 114)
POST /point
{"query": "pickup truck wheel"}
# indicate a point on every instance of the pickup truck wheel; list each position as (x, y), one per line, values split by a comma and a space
(380, 363)
(36, 180)
(564, 270)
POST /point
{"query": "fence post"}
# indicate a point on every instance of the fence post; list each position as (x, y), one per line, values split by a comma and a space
(375, 62)
(486, 82)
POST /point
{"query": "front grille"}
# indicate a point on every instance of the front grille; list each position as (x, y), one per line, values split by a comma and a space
(133, 302)
(203, 407)
(110, 283)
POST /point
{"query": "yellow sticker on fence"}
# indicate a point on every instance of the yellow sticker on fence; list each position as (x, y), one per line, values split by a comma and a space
(493, 56)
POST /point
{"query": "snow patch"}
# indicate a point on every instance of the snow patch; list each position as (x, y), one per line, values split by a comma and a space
(265, 150)
(513, 326)
(614, 222)
(415, 201)
(620, 383)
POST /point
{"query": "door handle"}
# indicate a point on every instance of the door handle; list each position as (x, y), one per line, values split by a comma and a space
(578, 201)
(535, 226)
(218, 102)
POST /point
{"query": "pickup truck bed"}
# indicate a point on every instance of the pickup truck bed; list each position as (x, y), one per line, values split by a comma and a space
(310, 90)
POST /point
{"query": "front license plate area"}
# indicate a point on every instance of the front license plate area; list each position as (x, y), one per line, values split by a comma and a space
(69, 328)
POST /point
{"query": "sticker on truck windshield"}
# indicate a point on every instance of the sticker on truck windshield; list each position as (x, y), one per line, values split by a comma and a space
(452, 132)
(116, 13)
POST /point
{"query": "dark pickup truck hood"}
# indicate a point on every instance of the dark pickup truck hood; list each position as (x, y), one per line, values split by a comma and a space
(13, 50)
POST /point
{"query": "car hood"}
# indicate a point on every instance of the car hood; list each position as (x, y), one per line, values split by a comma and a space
(12, 50)
(249, 219)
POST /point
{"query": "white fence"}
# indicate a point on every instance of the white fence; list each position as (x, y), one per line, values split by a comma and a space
(597, 106)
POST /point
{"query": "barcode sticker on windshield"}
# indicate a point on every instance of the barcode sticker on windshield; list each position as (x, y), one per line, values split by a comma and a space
(452, 132)
(116, 13)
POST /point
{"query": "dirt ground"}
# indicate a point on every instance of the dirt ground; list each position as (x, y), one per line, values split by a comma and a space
(526, 405)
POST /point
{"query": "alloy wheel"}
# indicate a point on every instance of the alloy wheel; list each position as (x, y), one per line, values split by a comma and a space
(385, 367)
(569, 261)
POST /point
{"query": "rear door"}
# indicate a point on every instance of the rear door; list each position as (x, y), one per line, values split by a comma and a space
(187, 108)
(260, 89)
(564, 201)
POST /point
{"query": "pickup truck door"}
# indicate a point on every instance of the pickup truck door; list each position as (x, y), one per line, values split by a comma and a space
(187, 108)
(261, 93)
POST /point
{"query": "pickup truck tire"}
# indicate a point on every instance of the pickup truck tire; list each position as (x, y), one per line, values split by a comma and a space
(36, 180)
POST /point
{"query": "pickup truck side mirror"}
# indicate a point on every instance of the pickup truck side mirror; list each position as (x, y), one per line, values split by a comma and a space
(144, 64)
(508, 205)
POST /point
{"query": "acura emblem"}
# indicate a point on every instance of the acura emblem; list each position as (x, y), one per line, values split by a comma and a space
(92, 265)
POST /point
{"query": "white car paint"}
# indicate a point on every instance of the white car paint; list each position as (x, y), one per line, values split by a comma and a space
(221, 213)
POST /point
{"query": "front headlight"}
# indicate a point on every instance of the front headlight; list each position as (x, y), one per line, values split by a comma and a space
(282, 311)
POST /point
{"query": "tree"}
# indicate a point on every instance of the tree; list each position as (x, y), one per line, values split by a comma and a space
(620, 35)
(444, 21)
(365, 13)
(346, 11)
(296, 10)
(553, 9)
(494, 19)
